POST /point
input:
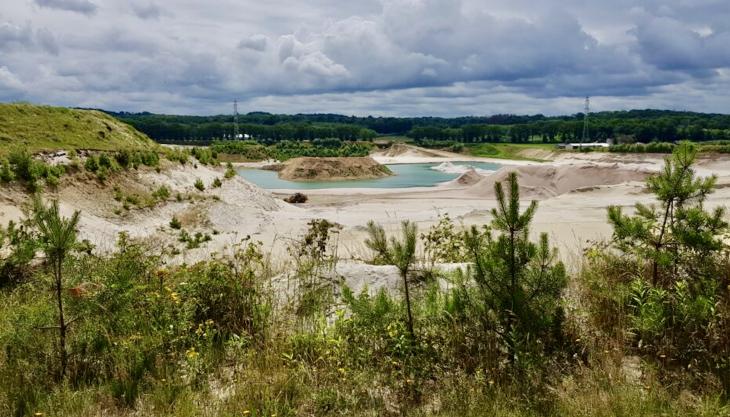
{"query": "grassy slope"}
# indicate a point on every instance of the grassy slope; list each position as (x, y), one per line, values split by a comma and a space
(507, 150)
(42, 128)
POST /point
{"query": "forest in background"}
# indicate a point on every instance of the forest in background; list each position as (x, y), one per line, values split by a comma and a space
(627, 126)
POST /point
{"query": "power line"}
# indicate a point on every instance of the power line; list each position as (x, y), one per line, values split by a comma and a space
(585, 119)
(235, 119)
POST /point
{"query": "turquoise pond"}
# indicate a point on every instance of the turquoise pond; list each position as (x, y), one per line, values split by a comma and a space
(406, 176)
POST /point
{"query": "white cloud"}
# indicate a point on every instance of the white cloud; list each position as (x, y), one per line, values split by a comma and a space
(400, 56)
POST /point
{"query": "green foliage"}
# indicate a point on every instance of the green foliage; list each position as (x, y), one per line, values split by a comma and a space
(675, 250)
(18, 246)
(444, 243)
(134, 158)
(57, 237)
(46, 128)
(199, 185)
(23, 167)
(136, 328)
(206, 156)
(679, 227)
(653, 147)
(400, 253)
(175, 223)
(176, 155)
(287, 149)
(6, 173)
(230, 172)
(520, 281)
(506, 150)
(162, 193)
(194, 241)
(28, 170)
(217, 183)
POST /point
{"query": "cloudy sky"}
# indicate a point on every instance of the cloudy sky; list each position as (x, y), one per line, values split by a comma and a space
(380, 57)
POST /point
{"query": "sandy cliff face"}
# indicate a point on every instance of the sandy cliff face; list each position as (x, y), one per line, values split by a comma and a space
(312, 169)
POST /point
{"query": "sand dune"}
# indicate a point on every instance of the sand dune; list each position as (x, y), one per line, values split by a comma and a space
(543, 181)
(470, 177)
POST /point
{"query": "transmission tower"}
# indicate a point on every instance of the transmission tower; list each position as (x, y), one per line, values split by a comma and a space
(585, 119)
(235, 119)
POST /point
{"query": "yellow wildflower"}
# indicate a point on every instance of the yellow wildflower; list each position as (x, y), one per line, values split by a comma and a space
(191, 353)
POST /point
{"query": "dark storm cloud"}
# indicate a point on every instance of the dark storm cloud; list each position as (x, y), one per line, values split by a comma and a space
(400, 56)
(78, 6)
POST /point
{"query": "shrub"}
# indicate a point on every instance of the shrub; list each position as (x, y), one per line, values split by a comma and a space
(230, 172)
(175, 223)
(443, 242)
(199, 185)
(52, 181)
(91, 164)
(18, 246)
(6, 173)
(176, 155)
(205, 155)
(106, 162)
(28, 170)
(297, 198)
(162, 193)
(217, 183)
(193, 242)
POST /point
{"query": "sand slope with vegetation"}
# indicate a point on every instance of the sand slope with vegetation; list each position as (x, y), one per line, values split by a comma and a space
(332, 169)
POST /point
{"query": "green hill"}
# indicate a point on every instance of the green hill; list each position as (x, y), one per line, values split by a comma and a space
(42, 128)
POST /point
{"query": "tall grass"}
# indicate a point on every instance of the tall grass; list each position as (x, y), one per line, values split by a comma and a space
(228, 337)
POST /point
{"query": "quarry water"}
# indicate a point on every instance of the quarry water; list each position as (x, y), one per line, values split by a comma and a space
(406, 176)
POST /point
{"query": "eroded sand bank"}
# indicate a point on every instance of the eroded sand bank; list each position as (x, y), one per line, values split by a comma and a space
(573, 191)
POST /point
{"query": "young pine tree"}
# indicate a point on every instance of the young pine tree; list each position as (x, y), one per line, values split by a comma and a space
(401, 253)
(520, 281)
(678, 227)
(58, 237)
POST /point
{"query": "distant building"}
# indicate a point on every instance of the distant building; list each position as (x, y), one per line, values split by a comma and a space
(243, 136)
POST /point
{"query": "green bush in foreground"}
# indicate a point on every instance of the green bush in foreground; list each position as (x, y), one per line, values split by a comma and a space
(230, 336)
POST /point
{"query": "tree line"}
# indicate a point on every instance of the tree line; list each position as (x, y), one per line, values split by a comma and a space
(633, 125)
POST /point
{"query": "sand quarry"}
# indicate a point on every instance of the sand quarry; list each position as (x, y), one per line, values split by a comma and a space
(573, 191)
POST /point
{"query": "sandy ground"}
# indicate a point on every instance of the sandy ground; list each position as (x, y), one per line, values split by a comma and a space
(573, 192)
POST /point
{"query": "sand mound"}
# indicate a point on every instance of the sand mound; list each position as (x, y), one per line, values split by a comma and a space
(539, 181)
(401, 149)
(470, 177)
(308, 169)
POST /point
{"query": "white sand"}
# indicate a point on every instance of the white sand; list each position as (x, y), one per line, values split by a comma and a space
(573, 193)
